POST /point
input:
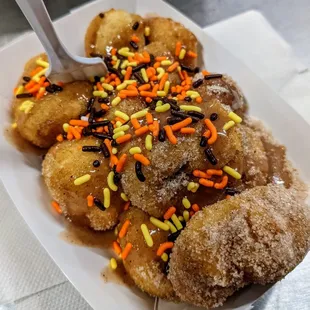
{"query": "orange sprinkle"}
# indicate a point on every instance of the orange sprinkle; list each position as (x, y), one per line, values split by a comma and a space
(60, 138)
(201, 174)
(99, 86)
(113, 160)
(117, 81)
(195, 207)
(149, 118)
(142, 130)
(123, 139)
(213, 130)
(122, 233)
(113, 62)
(154, 78)
(34, 89)
(75, 133)
(205, 72)
(77, 122)
(104, 107)
(130, 93)
(135, 123)
(135, 39)
(192, 54)
(142, 159)
(116, 247)
(187, 130)
(181, 75)
(42, 80)
(148, 99)
(178, 47)
(127, 204)
(163, 247)
(187, 87)
(128, 73)
(121, 95)
(181, 124)
(207, 133)
(163, 81)
(90, 200)
(132, 87)
(138, 57)
(146, 57)
(113, 51)
(119, 119)
(30, 85)
(35, 71)
(173, 67)
(215, 172)
(40, 94)
(45, 84)
(155, 89)
(147, 94)
(69, 136)
(206, 183)
(198, 99)
(191, 213)
(121, 163)
(222, 184)
(156, 128)
(126, 251)
(144, 87)
(172, 138)
(156, 64)
(169, 213)
(108, 145)
(160, 58)
(56, 206)
(150, 71)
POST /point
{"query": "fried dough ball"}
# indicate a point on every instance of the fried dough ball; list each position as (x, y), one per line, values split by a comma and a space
(167, 175)
(225, 90)
(169, 32)
(113, 29)
(44, 121)
(64, 163)
(256, 237)
(142, 264)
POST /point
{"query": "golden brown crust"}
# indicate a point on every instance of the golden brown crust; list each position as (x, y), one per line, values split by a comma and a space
(65, 162)
(256, 237)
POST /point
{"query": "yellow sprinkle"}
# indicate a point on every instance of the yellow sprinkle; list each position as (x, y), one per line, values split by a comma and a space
(65, 127)
(117, 64)
(107, 86)
(118, 124)
(114, 150)
(139, 114)
(165, 257)
(161, 225)
(26, 106)
(124, 197)
(81, 180)
(122, 115)
(192, 94)
(186, 215)
(124, 64)
(135, 150)
(232, 172)
(176, 222)
(182, 53)
(228, 125)
(115, 57)
(159, 103)
(146, 234)
(167, 87)
(175, 98)
(100, 93)
(121, 86)
(118, 134)
(236, 118)
(36, 77)
(116, 231)
(166, 62)
(186, 203)
(195, 189)
(129, 82)
(190, 186)
(123, 72)
(161, 93)
(179, 68)
(144, 75)
(110, 180)
(171, 226)
(163, 108)
(95, 87)
(181, 218)
(20, 90)
(132, 64)
(106, 197)
(14, 125)
(160, 72)
(121, 128)
(190, 108)
(116, 101)
(42, 63)
(102, 79)
(148, 142)
(125, 52)
(113, 263)
(147, 31)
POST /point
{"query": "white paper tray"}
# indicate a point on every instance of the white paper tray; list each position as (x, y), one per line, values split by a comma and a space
(22, 177)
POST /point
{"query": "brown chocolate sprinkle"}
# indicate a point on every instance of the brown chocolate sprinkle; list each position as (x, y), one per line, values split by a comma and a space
(179, 114)
(213, 117)
(162, 135)
(196, 114)
(210, 156)
(134, 45)
(105, 150)
(99, 124)
(174, 120)
(135, 26)
(188, 99)
(203, 141)
(139, 173)
(213, 76)
(91, 116)
(91, 148)
(103, 100)
(102, 136)
(99, 204)
(24, 95)
(90, 104)
(101, 15)
(197, 83)
(96, 163)
(26, 78)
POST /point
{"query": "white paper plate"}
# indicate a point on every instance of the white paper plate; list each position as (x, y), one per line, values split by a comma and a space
(22, 177)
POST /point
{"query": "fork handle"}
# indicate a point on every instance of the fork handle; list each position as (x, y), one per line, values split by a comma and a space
(39, 19)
